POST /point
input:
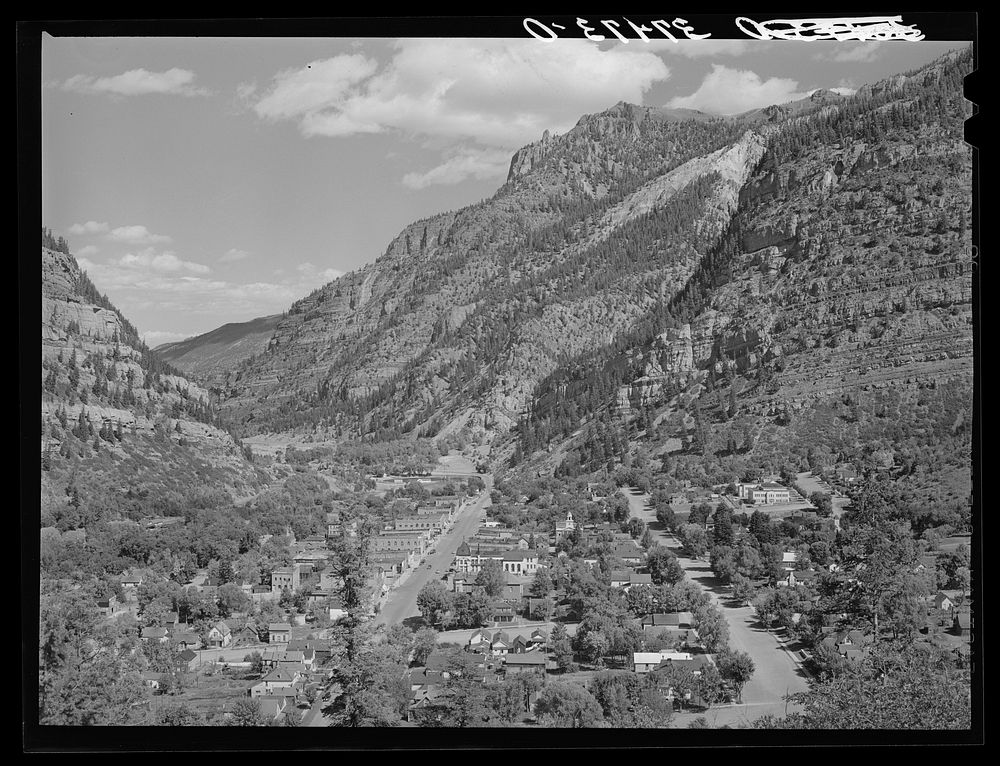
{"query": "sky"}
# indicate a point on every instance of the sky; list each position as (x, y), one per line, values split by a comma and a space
(201, 181)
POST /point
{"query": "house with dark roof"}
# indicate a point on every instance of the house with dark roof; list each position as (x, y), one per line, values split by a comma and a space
(962, 624)
(630, 554)
(187, 660)
(155, 633)
(668, 620)
(526, 662)
(184, 639)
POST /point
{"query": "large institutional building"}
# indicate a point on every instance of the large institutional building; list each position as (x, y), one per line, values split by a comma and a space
(767, 493)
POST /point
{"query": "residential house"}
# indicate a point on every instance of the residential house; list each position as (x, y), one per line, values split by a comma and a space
(851, 644)
(187, 660)
(425, 699)
(417, 677)
(184, 639)
(947, 600)
(519, 645)
(630, 554)
(279, 633)
(538, 639)
(108, 606)
(526, 662)
(962, 624)
(500, 644)
(668, 620)
(278, 679)
(481, 637)
(156, 633)
(503, 613)
(643, 662)
(247, 635)
(220, 635)
(132, 580)
(798, 577)
(335, 610)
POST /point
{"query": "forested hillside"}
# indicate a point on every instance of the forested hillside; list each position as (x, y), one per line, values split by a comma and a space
(831, 323)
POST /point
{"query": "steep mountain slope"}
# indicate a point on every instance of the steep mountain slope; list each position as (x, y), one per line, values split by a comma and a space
(465, 310)
(644, 252)
(116, 421)
(833, 322)
(210, 356)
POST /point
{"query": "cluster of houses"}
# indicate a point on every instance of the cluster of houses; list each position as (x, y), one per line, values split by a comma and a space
(502, 653)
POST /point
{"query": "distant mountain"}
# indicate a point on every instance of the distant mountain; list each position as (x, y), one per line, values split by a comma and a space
(211, 356)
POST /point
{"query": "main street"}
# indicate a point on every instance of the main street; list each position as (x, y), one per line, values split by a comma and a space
(401, 602)
(776, 673)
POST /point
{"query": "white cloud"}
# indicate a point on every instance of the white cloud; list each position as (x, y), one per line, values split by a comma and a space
(90, 227)
(161, 283)
(466, 163)
(85, 251)
(233, 254)
(136, 235)
(844, 91)
(166, 262)
(499, 93)
(138, 82)
(320, 84)
(732, 91)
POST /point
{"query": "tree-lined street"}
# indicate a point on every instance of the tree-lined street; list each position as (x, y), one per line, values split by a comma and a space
(776, 675)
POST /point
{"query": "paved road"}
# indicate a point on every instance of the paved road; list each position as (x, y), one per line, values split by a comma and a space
(776, 673)
(402, 601)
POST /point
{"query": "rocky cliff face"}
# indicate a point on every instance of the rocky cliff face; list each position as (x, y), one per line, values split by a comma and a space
(426, 318)
(104, 393)
(854, 270)
(850, 269)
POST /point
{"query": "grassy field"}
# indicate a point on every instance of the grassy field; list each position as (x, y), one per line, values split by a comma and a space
(206, 694)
